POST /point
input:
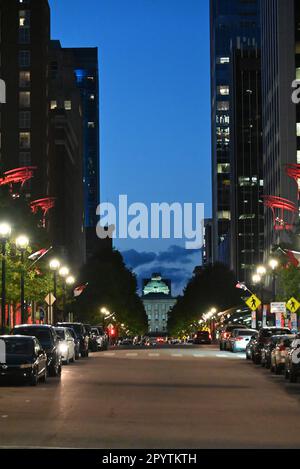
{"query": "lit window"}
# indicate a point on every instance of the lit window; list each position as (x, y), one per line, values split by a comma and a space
(298, 73)
(92, 97)
(68, 105)
(247, 181)
(24, 18)
(247, 216)
(24, 98)
(223, 168)
(24, 139)
(298, 129)
(223, 60)
(53, 104)
(223, 90)
(224, 215)
(91, 125)
(298, 156)
(24, 79)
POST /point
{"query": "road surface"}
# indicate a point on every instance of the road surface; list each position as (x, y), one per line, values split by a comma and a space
(169, 398)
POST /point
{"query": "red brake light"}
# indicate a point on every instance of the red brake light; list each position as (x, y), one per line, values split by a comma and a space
(239, 338)
(281, 348)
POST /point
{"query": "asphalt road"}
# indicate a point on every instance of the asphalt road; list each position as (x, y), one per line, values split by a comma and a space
(175, 398)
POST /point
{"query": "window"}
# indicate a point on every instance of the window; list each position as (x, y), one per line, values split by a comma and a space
(298, 129)
(298, 156)
(24, 58)
(247, 181)
(224, 215)
(92, 97)
(223, 168)
(68, 105)
(24, 119)
(25, 158)
(24, 139)
(24, 36)
(53, 104)
(24, 18)
(298, 73)
(24, 79)
(223, 60)
(223, 90)
(223, 105)
(91, 125)
(24, 98)
(247, 216)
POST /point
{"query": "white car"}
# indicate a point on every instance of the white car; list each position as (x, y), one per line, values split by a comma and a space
(240, 338)
(66, 345)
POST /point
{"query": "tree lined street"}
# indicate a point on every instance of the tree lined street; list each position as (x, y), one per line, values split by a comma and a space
(167, 397)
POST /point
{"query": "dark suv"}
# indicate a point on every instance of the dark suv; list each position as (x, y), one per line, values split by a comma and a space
(81, 333)
(49, 342)
(263, 338)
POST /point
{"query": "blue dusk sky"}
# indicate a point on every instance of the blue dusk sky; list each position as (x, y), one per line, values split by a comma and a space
(154, 109)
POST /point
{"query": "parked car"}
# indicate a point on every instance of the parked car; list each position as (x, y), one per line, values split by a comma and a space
(263, 338)
(25, 360)
(81, 333)
(267, 349)
(226, 334)
(125, 341)
(250, 346)
(100, 337)
(202, 337)
(66, 345)
(279, 353)
(239, 339)
(292, 363)
(76, 343)
(93, 344)
(49, 342)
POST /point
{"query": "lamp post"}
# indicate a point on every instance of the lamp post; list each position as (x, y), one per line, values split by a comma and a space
(22, 243)
(5, 232)
(54, 266)
(70, 281)
(64, 272)
(273, 263)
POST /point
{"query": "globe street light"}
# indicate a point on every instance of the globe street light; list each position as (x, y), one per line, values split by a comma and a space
(70, 280)
(22, 243)
(261, 270)
(5, 232)
(256, 279)
(54, 265)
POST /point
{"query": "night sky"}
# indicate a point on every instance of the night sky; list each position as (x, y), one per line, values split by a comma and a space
(155, 109)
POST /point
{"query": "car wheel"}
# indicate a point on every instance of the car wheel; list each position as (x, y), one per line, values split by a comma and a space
(77, 356)
(72, 360)
(34, 379)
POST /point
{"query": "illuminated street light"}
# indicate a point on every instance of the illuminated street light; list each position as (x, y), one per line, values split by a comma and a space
(256, 278)
(64, 272)
(5, 233)
(273, 263)
(70, 280)
(54, 264)
(261, 270)
(22, 243)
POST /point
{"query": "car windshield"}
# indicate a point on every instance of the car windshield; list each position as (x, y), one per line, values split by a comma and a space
(245, 333)
(18, 347)
(77, 328)
(61, 333)
(43, 335)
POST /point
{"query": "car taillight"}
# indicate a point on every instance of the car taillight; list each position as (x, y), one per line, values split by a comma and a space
(281, 348)
(239, 338)
(209, 336)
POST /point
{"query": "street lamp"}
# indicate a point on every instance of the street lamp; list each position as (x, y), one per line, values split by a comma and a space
(256, 279)
(5, 232)
(273, 263)
(22, 243)
(70, 280)
(261, 270)
(54, 265)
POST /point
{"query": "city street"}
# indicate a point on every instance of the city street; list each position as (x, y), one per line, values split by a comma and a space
(167, 397)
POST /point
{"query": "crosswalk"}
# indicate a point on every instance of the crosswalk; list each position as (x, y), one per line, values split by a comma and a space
(172, 354)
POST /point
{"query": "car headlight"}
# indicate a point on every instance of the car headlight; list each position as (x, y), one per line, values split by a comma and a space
(63, 348)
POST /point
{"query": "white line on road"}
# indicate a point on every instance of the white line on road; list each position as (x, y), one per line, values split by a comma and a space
(198, 356)
(131, 354)
(177, 355)
(4, 416)
(109, 354)
(153, 354)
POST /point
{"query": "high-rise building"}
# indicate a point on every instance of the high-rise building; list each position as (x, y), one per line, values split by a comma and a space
(247, 209)
(207, 244)
(85, 62)
(234, 25)
(25, 34)
(281, 117)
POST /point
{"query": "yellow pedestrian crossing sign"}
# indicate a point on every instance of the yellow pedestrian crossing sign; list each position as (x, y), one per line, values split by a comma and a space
(253, 302)
(293, 305)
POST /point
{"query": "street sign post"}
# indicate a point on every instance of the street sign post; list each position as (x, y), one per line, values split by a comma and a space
(253, 303)
(50, 299)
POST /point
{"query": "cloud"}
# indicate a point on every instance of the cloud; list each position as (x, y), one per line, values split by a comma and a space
(176, 264)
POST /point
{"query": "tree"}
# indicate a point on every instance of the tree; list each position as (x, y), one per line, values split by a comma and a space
(210, 286)
(288, 283)
(112, 285)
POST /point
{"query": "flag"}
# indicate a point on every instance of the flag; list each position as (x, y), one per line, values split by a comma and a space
(241, 286)
(80, 289)
(294, 257)
(38, 254)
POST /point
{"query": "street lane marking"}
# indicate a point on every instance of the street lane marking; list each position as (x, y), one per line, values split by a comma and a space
(109, 354)
(177, 355)
(153, 354)
(131, 354)
(198, 356)
(4, 416)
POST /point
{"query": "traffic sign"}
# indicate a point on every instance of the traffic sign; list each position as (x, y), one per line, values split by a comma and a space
(293, 305)
(50, 299)
(253, 302)
(278, 307)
